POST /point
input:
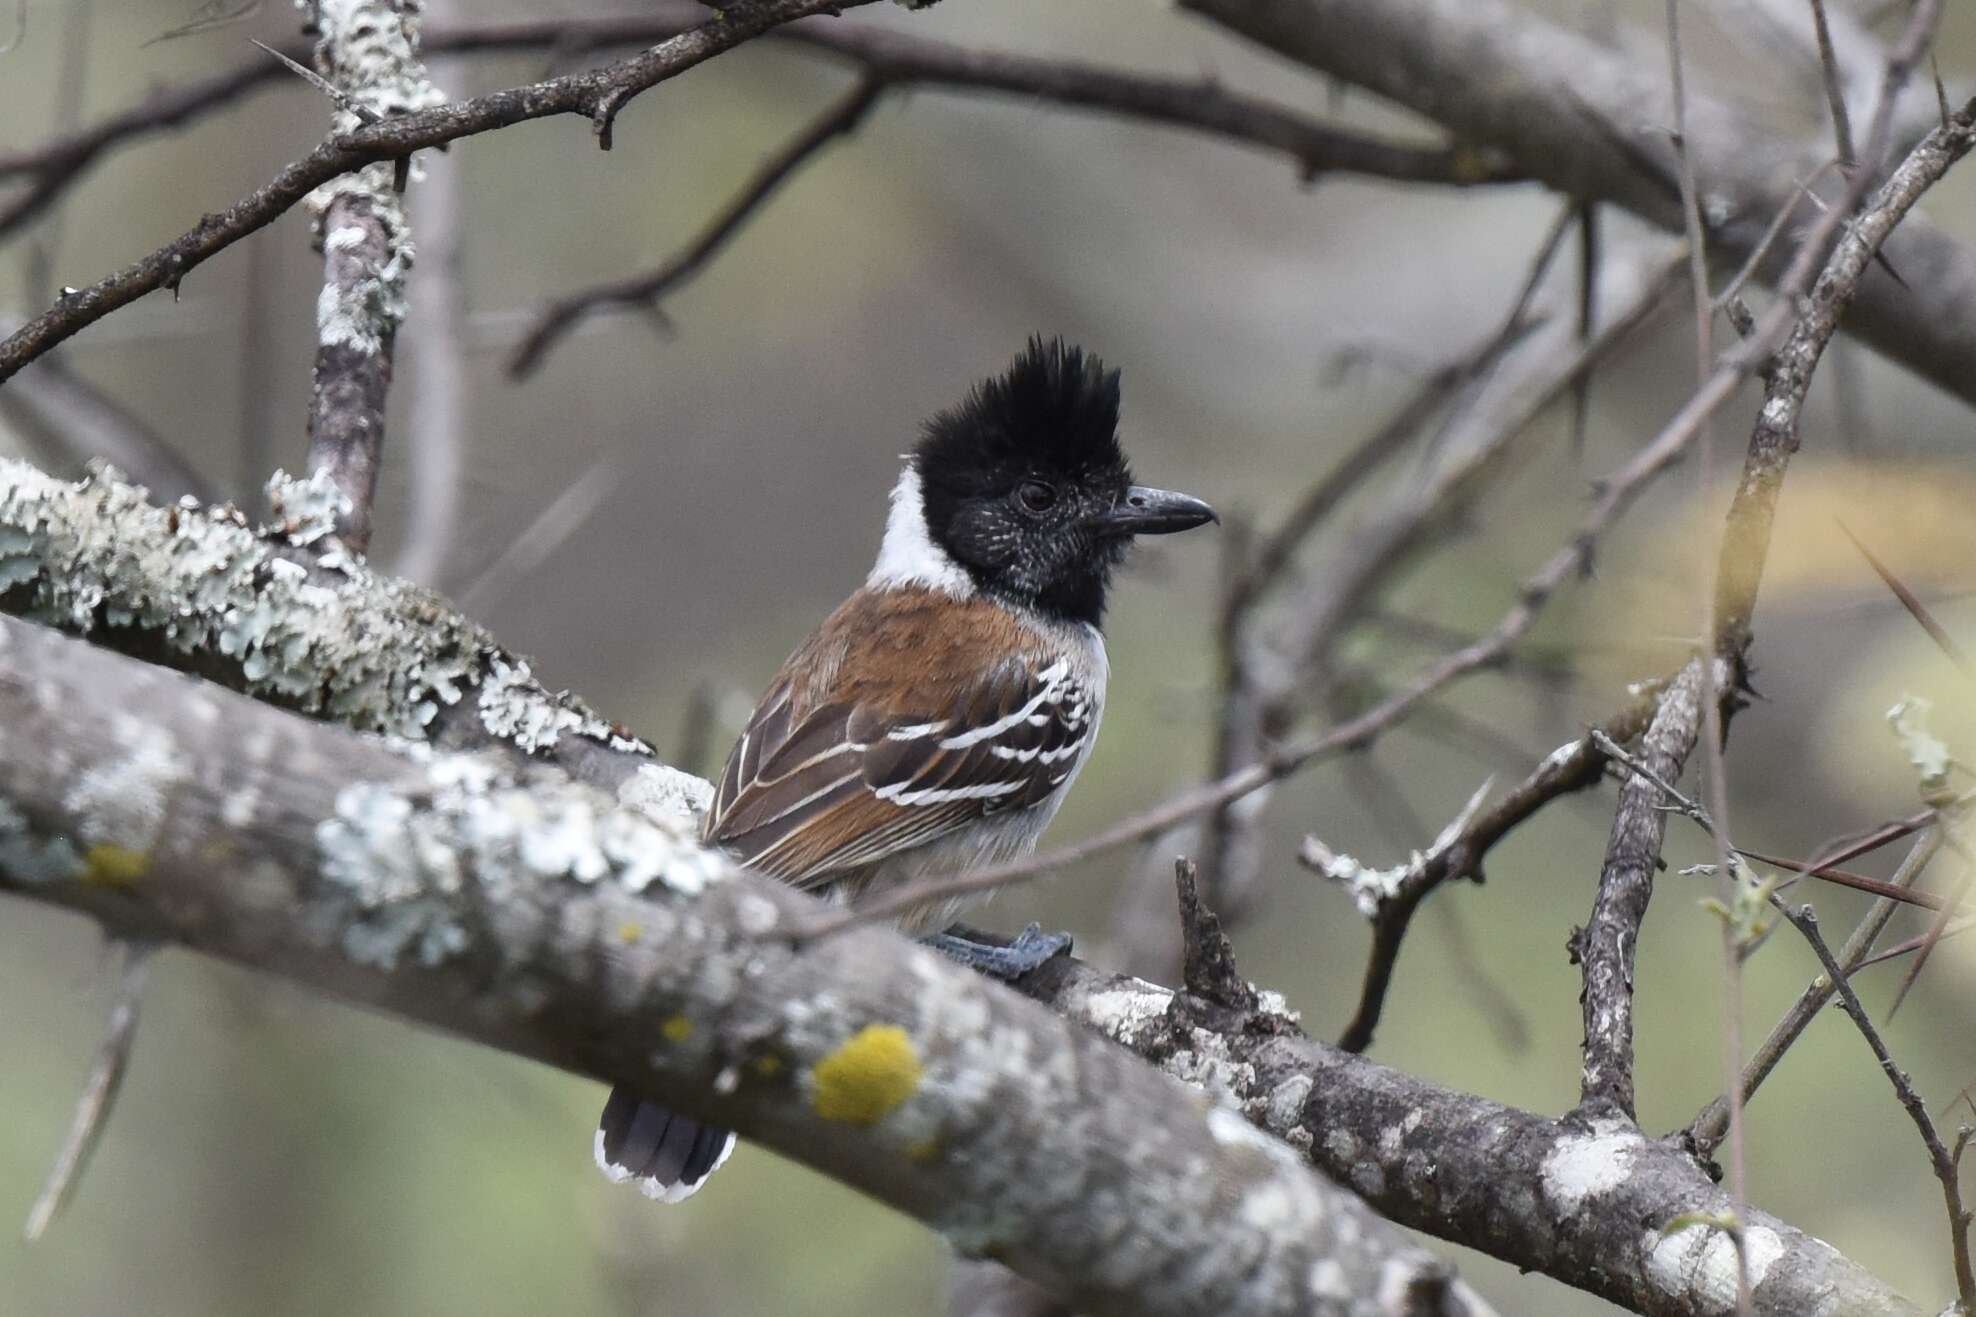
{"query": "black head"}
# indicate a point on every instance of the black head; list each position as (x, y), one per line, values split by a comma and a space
(1025, 487)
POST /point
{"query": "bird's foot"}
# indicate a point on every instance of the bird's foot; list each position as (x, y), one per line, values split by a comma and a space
(1031, 948)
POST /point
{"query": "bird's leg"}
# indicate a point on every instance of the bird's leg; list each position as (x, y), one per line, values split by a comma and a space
(1031, 948)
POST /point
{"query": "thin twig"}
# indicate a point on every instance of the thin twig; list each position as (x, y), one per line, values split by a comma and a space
(1914, 944)
(548, 529)
(99, 1092)
(1805, 920)
(1714, 775)
(1859, 882)
(1198, 106)
(1615, 495)
(597, 94)
(1771, 233)
(1915, 608)
(1279, 549)
(342, 99)
(207, 18)
(1938, 926)
(1591, 248)
(1712, 1122)
(1575, 766)
(1835, 95)
(840, 119)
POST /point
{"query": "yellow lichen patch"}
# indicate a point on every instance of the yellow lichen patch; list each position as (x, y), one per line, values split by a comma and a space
(766, 1067)
(874, 1071)
(1471, 165)
(923, 1152)
(114, 866)
(676, 1028)
(630, 931)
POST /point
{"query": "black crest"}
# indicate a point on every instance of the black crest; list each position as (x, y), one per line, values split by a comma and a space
(1056, 406)
(1014, 480)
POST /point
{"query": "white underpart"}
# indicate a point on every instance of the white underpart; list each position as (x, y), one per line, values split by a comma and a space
(1013, 833)
(908, 556)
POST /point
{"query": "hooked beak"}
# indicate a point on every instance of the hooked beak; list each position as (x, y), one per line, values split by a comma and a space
(1145, 511)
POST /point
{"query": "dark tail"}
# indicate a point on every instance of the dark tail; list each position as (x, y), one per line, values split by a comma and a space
(666, 1155)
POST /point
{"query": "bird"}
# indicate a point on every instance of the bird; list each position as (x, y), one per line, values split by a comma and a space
(936, 719)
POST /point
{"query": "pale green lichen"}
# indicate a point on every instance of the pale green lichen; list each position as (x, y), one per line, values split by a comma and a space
(320, 633)
(368, 50)
(121, 801)
(402, 852)
(31, 860)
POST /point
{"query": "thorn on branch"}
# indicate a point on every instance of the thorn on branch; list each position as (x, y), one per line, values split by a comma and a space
(1208, 966)
(343, 100)
(99, 1092)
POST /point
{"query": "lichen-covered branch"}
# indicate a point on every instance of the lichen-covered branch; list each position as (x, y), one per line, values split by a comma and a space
(201, 591)
(368, 50)
(269, 612)
(1588, 1203)
(512, 905)
(1605, 947)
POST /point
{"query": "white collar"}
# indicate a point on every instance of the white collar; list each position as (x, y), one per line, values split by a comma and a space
(908, 556)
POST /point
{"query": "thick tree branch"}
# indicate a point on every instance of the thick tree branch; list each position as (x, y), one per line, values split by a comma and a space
(518, 908)
(189, 571)
(1589, 1204)
(1202, 105)
(268, 613)
(1578, 115)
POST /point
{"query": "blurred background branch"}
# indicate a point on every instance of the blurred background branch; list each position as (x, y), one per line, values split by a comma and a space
(1388, 373)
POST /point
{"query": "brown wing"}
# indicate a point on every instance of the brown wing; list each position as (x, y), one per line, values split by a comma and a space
(810, 794)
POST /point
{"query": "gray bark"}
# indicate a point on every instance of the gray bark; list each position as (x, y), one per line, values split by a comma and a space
(1585, 118)
(511, 905)
(198, 590)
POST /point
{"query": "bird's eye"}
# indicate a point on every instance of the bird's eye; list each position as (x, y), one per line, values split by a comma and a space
(1035, 496)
